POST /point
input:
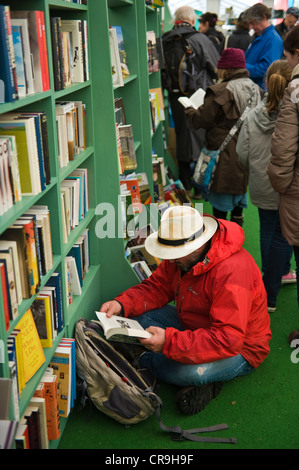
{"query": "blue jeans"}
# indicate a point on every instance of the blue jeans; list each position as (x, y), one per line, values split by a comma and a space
(276, 253)
(180, 374)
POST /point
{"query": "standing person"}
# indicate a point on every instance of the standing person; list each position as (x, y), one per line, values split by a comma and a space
(220, 326)
(283, 168)
(266, 46)
(207, 26)
(292, 15)
(223, 105)
(254, 151)
(240, 37)
(180, 82)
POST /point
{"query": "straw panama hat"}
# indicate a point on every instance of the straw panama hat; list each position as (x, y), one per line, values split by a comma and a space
(182, 230)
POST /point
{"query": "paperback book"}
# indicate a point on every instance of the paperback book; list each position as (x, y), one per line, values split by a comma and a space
(121, 329)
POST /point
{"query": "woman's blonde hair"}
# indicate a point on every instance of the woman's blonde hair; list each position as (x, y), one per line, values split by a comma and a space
(278, 77)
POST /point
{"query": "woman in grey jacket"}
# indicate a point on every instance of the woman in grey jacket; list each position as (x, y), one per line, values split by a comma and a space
(254, 152)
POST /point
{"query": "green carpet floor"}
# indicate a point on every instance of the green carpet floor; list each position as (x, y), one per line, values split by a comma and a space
(261, 409)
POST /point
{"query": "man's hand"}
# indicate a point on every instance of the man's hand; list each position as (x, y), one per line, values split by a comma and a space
(112, 307)
(156, 342)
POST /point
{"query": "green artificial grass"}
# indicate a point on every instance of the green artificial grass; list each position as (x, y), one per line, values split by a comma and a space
(261, 409)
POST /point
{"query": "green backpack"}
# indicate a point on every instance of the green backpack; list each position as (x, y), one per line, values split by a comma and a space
(118, 389)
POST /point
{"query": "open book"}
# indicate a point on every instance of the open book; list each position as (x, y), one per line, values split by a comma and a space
(195, 100)
(121, 329)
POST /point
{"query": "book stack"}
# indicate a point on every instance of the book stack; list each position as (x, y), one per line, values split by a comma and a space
(74, 200)
(47, 311)
(23, 46)
(71, 130)
(25, 350)
(24, 139)
(48, 391)
(76, 266)
(69, 39)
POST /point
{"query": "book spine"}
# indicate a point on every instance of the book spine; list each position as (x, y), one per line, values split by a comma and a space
(55, 54)
(11, 50)
(7, 88)
(42, 57)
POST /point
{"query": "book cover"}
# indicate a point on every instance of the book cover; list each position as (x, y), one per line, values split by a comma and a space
(132, 184)
(41, 311)
(52, 410)
(75, 28)
(127, 146)
(19, 59)
(33, 354)
(117, 77)
(29, 72)
(122, 51)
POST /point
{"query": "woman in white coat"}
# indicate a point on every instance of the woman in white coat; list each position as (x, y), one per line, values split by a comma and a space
(254, 152)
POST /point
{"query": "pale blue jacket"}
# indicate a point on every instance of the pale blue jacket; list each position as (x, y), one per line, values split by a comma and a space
(263, 50)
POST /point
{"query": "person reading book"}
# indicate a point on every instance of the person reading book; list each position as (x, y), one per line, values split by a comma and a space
(219, 327)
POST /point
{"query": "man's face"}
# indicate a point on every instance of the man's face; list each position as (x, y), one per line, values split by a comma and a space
(258, 26)
(187, 262)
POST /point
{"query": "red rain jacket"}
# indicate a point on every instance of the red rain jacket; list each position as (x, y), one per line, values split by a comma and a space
(221, 302)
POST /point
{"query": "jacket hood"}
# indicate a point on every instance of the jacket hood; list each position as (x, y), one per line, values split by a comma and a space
(295, 71)
(228, 239)
(264, 122)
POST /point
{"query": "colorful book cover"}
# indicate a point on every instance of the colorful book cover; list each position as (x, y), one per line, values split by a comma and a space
(33, 354)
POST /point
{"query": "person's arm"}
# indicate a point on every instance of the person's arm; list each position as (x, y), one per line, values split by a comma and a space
(154, 292)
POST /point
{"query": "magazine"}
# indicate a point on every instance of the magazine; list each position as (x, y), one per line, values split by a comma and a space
(118, 328)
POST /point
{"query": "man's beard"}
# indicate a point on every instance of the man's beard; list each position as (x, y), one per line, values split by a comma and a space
(186, 266)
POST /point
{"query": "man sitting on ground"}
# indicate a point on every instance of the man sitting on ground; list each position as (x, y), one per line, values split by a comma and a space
(219, 328)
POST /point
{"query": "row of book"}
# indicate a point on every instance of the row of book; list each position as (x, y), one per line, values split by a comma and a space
(71, 130)
(154, 52)
(23, 48)
(69, 39)
(54, 398)
(25, 256)
(157, 113)
(25, 155)
(76, 265)
(74, 200)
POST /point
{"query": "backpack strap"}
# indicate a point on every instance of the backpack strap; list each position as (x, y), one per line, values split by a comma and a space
(179, 434)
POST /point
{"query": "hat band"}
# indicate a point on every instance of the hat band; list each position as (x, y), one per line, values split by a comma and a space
(182, 241)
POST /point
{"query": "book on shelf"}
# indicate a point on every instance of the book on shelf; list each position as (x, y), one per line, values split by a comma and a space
(31, 416)
(131, 183)
(5, 393)
(122, 51)
(15, 355)
(22, 23)
(127, 146)
(142, 270)
(5, 294)
(8, 75)
(152, 52)
(10, 246)
(32, 351)
(70, 343)
(42, 315)
(22, 436)
(40, 404)
(15, 407)
(8, 430)
(76, 253)
(195, 101)
(118, 328)
(55, 281)
(19, 60)
(119, 109)
(38, 46)
(61, 363)
(8, 152)
(116, 70)
(71, 265)
(158, 180)
(139, 253)
(50, 392)
(75, 30)
(157, 95)
(6, 258)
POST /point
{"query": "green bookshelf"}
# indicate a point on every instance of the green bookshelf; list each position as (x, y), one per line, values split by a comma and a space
(109, 272)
